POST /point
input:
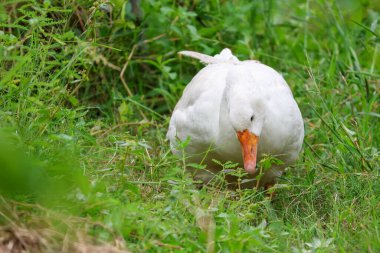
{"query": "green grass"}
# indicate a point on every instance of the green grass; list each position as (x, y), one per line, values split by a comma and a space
(85, 100)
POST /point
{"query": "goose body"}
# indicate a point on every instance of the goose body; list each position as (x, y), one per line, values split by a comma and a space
(236, 111)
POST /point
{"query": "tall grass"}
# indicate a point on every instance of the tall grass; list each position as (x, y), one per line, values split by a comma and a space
(87, 89)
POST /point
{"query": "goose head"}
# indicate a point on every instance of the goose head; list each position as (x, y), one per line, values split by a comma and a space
(246, 111)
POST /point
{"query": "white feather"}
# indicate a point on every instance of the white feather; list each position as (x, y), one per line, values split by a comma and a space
(225, 56)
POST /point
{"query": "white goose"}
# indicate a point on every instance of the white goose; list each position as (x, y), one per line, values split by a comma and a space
(236, 111)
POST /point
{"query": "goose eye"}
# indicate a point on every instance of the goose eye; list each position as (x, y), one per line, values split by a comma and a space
(252, 117)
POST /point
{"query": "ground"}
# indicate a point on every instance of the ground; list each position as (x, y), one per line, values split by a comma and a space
(87, 89)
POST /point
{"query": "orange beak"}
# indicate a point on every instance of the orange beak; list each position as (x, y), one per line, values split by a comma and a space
(248, 143)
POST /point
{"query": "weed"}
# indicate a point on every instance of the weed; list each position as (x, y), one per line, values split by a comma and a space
(87, 88)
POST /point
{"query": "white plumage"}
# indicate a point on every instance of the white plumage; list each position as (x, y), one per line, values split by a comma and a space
(236, 111)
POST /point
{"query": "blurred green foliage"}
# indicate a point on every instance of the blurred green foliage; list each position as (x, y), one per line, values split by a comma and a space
(56, 181)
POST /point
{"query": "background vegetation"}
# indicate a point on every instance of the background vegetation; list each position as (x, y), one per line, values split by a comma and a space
(86, 92)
